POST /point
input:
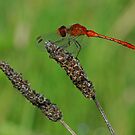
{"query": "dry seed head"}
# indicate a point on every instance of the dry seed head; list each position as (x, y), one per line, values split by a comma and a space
(48, 108)
(72, 67)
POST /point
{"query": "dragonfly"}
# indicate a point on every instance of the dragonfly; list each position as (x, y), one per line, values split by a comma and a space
(76, 30)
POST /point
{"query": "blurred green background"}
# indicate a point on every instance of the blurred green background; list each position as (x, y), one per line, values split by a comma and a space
(109, 66)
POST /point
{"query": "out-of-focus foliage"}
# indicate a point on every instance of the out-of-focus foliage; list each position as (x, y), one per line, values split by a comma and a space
(109, 66)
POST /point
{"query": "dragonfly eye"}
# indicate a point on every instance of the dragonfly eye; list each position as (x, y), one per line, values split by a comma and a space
(62, 31)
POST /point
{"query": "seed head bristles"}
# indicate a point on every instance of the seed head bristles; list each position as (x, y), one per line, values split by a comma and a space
(49, 109)
(73, 69)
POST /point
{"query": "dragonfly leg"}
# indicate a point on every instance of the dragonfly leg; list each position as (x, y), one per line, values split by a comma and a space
(78, 46)
(67, 45)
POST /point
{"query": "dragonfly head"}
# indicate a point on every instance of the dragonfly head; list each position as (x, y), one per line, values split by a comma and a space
(62, 31)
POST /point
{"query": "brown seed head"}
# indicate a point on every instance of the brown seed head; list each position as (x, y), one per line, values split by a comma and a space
(49, 109)
(73, 69)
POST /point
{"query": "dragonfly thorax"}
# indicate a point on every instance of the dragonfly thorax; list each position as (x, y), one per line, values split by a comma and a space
(77, 30)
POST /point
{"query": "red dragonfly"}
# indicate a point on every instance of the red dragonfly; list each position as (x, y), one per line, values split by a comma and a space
(76, 30)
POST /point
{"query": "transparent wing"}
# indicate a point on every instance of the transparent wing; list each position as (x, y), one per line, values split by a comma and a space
(69, 43)
(46, 37)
